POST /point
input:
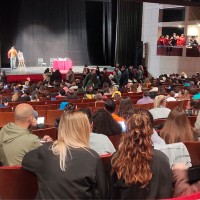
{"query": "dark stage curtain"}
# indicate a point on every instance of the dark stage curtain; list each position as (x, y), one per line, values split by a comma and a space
(99, 31)
(52, 29)
(94, 32)
(129, 26)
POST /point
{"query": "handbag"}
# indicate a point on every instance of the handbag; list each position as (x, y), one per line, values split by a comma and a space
(193, 174)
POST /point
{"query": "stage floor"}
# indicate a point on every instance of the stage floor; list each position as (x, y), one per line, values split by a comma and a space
(40, 70)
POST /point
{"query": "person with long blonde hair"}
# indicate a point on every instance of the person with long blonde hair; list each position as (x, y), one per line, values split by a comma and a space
(67, 168)
(138, 170)
(160, 110)
(177, 127)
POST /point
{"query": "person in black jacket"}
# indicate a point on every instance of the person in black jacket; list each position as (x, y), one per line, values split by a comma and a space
(124, 78)
(67, 168)
(139, 171)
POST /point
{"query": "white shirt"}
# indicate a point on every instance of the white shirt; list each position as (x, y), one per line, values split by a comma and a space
(176, 152)
(161, 112)
(101, 144)
(156, 139)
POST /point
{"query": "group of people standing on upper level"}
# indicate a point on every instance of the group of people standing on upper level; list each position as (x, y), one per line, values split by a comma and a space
(174, 40)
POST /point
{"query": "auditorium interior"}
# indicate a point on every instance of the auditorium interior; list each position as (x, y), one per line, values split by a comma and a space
(158, 37)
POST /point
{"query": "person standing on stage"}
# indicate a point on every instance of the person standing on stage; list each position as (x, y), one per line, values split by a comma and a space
(12, 55)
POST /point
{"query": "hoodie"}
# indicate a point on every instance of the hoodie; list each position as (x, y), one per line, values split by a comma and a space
(15, 142)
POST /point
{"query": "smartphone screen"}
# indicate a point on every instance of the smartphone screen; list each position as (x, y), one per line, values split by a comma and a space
(40, 120)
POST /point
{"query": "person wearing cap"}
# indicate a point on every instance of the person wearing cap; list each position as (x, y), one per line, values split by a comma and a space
(16, 139)
(146, 99)
(65, 106)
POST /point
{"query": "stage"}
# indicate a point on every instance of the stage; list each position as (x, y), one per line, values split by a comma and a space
(36, 73)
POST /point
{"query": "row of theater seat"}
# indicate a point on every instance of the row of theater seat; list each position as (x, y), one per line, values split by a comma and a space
(17, 183)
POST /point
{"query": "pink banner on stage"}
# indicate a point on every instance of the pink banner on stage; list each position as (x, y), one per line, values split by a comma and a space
(62, 64)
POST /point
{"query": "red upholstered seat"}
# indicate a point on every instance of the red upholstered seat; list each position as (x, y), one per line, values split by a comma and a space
(188, 197)
(17, 183)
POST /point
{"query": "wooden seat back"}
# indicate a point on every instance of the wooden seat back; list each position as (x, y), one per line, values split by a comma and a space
(194, 151)
(17, 183)
(6, 109)
(115, 139)
(6, 117)
(172, 104)
(147, 106)
(192, 120)
(52, 132)
(52, 115)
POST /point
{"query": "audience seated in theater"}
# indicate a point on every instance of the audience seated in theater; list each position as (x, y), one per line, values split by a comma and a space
(91, 79)
(34, 96)
(98, 97)
(184, 95)
(150, 178)
(61, 93)
(177, 127)
(26, 85)
(16, 139)
(15, 97)
(98, 71)
(115, 91)
(123, 81)
(103, 123)
(154, 87)
(110, 106)
(71, 94)
(107, 89)
(160, 110)
(146, 99)
(70, 75)
(76, 170)
(64, 87)
(161, 91)
(170, 96)
(80, 89)
(4, 103)
(117, 69)
(139, 88)
(133, 88)
(89, 93)
(56, 76)
(124, 106)
(98, 142)
(86, 71)
(114, 78)
(73, 85)
(25, 96)
(104, 78)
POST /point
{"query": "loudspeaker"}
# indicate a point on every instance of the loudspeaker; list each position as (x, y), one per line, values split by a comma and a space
(139, 53)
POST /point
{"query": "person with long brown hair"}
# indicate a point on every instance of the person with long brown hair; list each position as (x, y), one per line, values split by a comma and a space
(177, 127)
(124, 106)
(138, 170)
